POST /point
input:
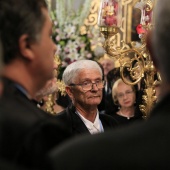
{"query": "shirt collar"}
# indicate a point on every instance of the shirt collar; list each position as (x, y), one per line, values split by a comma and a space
(92, 127)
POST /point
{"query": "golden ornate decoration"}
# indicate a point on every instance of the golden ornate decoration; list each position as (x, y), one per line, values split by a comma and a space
(61, 87)
(126, 27)
(57, 60)
(129, 54)
(51, 98)
(49, 104)
(91, 20)
(134, 57)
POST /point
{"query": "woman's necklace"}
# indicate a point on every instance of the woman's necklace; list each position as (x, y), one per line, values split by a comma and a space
(128, 117)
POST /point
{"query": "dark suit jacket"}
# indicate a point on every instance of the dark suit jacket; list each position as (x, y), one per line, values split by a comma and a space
(141, 146)
(26, 132)
(76, 126)
(7, 165)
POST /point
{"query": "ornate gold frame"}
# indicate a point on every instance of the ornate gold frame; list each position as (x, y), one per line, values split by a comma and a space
(126, 28)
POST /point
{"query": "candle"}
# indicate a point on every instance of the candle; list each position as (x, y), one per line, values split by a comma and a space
(109, 13)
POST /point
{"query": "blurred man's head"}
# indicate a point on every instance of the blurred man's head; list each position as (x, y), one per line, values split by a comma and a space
(26, 30)
(1, 65)
(51, 85)
(1, 53)
(161, 39)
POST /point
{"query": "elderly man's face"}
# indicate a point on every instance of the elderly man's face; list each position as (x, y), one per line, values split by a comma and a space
(87, 98)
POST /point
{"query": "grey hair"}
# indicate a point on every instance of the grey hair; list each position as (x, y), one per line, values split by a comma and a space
(72, 70)
(161, 38)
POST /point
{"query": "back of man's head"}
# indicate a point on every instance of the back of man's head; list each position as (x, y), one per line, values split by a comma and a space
(161, 38)
(1, 52)
(18, 17)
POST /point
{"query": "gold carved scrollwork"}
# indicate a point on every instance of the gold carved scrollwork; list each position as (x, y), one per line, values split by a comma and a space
(91, 20)
(51, 98)
(149, 5)
(148, 99)
(126, 27)
(134, 56)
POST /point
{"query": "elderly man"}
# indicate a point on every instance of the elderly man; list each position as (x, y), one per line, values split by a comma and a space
(84, 84)
(26, 132)
(144, 145)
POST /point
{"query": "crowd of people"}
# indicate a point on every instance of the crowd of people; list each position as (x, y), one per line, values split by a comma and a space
(81, 136)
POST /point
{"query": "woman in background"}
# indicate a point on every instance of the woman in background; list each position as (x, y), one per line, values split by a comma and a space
(125, 97)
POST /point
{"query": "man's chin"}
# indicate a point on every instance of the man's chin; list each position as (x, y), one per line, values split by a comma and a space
(95, 102)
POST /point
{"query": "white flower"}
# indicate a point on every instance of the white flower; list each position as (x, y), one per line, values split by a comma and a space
(89, 55)
(146, 18)
(73, 55)
(62, 35)
(57, 38)
(77, 39)
(64, 64)
(99, 51)
(72, 46)
(69, 29)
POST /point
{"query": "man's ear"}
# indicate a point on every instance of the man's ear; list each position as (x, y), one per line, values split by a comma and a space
(150, 48)
(69, 91)
(25, 49)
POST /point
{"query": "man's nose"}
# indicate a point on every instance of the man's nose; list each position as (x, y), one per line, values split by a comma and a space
(94, 86)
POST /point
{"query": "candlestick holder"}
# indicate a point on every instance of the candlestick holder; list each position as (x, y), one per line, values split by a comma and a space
(139, 63)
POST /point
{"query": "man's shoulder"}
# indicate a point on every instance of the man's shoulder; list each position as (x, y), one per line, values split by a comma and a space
(61, 114)
(105, 118)
(18, 109)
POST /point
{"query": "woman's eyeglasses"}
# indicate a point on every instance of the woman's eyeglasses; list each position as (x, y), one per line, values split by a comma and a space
(127, 93)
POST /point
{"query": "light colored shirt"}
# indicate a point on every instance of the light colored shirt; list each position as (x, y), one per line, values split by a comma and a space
(95, 127)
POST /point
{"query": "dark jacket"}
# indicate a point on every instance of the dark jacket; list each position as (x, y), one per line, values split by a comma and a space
(26, 132)
(142, 145)
(76, 126)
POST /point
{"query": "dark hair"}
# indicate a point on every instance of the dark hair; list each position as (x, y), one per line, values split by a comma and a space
(18, 17)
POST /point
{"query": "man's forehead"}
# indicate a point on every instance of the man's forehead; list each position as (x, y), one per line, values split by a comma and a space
(89, 74)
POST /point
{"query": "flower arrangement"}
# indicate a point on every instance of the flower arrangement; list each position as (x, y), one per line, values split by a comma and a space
(71, 44)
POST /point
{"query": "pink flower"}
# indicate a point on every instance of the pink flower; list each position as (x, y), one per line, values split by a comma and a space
(111, 20)
(89, 55)
(57, 38)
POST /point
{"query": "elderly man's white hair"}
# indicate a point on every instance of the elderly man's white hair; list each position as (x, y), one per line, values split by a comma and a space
(72, 70)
